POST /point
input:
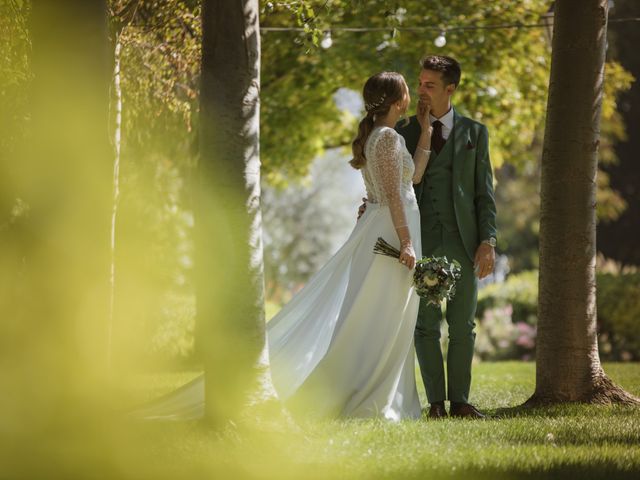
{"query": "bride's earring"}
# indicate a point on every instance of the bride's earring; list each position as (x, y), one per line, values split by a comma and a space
(400, 112)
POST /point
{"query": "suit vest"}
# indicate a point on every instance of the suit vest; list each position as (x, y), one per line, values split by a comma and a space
(436, 204)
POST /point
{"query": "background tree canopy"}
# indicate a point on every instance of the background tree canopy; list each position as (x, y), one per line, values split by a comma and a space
(505, 71)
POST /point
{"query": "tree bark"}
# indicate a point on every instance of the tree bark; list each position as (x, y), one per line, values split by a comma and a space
(567, 362)
(229, 269)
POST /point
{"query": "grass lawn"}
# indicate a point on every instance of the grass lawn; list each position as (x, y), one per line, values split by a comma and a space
(573, 441)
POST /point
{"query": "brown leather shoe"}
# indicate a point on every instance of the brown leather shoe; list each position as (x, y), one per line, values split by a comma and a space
(437, 411)
(465, 410)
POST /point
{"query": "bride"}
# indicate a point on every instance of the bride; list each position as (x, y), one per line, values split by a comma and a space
(343, 346)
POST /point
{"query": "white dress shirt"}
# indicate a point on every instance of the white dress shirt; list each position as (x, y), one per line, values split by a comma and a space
(447, 122)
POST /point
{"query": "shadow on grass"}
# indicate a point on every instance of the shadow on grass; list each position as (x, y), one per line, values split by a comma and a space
(607, 470)
(573, 409)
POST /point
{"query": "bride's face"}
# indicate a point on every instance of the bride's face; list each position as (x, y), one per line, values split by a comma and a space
(406, 100)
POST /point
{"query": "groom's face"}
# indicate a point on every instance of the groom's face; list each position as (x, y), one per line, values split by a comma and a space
(432, 89)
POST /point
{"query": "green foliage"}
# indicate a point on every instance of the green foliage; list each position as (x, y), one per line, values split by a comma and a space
(610, 203)
(154, 260)
(506, 91)
(518, 195)
(507, 318)
(160, 71)
(15, 78)
(518, 220)
(160, 65)
(173, 339)
(617, 302)
(619, 315)
(305, 222)
(519, 290)
(499, 338)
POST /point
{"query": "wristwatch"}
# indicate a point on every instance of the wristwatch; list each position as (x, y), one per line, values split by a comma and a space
(490, 241)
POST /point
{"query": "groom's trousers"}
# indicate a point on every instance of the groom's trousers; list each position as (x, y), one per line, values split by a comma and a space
(460, 314)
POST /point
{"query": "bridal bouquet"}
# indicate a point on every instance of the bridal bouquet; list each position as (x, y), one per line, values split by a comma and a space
(434, 278)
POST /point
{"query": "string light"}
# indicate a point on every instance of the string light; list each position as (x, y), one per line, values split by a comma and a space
(326, 41)
(441, 40)
(436, 29)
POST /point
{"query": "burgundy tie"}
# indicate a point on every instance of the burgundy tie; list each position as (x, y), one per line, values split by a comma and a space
(437, 142)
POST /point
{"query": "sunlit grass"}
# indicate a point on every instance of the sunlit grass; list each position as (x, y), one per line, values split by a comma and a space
(562, 442)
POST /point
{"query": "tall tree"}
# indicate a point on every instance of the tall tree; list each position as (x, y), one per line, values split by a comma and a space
(568, 366)
(229, 269)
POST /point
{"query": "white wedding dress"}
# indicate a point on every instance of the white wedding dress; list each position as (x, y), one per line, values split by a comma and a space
(343, 345)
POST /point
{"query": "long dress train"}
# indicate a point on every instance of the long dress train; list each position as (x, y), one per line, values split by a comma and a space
(343, 345)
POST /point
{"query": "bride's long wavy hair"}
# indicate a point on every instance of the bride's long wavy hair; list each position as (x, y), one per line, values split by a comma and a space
(380, 92)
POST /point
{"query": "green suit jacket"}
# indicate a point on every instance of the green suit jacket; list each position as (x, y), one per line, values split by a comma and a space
(473, 197)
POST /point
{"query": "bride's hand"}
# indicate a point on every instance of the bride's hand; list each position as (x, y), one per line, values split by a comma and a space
(362, 208)
(423, 116)
(407, 255)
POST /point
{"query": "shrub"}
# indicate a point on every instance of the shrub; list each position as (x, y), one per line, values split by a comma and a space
(499, 338)
(520, 291)
(618, 300)
(619, 316)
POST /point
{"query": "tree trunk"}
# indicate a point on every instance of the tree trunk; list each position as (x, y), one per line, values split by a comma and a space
(567, 362)
(229, 269)
(117, 144)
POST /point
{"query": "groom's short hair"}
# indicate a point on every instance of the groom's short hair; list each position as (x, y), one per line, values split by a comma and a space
(449, 67)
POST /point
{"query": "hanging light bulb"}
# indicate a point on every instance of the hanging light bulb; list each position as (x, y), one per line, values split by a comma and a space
(440, 40)
(326, 41)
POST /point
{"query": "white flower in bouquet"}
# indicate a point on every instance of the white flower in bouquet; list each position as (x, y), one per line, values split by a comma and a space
(430, 281)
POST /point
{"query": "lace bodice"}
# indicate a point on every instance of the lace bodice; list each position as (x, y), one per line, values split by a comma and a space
(388, 172)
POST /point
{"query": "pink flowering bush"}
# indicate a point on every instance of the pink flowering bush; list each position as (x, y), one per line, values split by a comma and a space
(499, 338)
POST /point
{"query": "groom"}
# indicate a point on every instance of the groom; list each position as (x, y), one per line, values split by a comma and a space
(458, 220)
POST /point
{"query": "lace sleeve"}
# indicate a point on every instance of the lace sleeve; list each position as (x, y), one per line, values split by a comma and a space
(388, 170)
